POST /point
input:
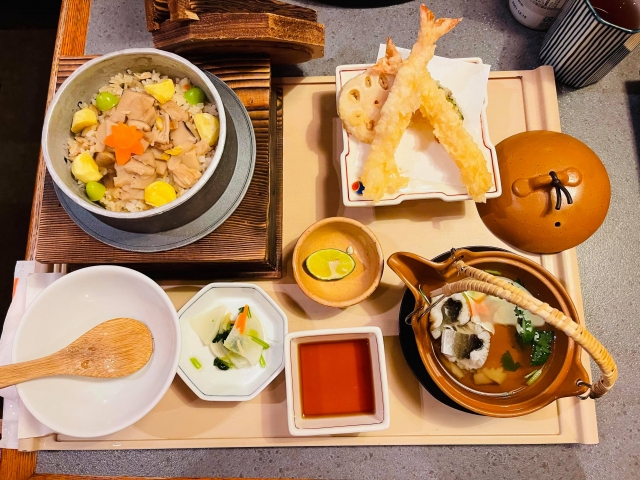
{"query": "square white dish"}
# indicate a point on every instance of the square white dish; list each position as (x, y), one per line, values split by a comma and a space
(340, 424)
(431, 171)
(236, 384)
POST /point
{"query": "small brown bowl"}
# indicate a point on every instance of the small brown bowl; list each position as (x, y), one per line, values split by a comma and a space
(340, 233)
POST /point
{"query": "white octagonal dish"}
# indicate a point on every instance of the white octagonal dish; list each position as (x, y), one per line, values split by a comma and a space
(233, 385)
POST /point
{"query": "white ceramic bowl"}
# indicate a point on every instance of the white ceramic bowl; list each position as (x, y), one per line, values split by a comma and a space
(234, 385)
(82, 84)
(74, 304)
(300, 425)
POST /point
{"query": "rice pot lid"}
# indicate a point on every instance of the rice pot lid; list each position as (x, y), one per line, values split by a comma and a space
(555, 192)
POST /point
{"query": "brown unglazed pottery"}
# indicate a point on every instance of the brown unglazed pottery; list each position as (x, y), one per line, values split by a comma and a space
(561, 372)
(339, 233)
(555, 192)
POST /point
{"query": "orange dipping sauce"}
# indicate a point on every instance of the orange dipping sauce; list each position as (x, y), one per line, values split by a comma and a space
(336, 378)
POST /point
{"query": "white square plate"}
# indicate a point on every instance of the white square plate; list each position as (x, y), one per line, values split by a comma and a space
(340, 424)
(431, 171)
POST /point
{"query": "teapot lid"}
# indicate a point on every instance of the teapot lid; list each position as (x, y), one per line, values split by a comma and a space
(555, 192)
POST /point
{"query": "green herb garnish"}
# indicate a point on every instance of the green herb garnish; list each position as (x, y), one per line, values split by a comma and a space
(508, 363)
(541, 347)
(527, 331)
(221, 364)
(533, 376)
(241, 309)
(196, 363)
(263, 362)
(221, 337)
(449, 96)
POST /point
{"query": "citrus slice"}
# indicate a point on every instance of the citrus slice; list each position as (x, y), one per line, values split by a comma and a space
(330, 264)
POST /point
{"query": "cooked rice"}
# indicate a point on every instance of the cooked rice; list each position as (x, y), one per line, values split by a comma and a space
(86, 140)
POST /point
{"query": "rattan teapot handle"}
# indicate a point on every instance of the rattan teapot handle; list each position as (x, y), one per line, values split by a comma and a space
(484, 282)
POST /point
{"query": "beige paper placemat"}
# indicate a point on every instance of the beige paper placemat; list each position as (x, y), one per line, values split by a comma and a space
(517, 101)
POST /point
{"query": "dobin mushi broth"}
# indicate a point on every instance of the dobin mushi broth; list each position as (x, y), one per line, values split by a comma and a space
(336, 378)
(489, 344)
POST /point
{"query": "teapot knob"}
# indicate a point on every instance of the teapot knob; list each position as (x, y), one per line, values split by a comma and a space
(569, 177)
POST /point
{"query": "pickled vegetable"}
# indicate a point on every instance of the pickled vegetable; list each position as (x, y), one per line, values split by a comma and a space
(196, 363)
(222, 364)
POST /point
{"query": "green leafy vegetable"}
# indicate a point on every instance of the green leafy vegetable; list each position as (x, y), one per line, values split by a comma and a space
(221, 337)
(541, 347)
(196, 363)
(507, 362)
(527, 331)
(533, 376)
(494, 272)
(263, 362)
(222, 364)
(519, 282)
(241, 309)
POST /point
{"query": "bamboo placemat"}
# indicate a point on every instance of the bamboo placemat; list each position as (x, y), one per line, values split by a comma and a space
(248, 244)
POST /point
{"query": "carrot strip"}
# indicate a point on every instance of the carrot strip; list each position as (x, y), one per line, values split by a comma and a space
(242, 319)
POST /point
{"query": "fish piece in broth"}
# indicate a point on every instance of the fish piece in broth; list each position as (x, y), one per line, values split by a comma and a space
(467, 347)
(453, 311)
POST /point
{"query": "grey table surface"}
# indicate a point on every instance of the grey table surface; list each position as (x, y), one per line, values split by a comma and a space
(606, 116)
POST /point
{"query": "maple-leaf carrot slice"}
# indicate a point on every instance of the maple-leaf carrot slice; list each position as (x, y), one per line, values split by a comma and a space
(125, 140)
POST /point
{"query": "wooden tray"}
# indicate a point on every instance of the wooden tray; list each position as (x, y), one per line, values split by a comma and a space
(518, 101)
(248, 244)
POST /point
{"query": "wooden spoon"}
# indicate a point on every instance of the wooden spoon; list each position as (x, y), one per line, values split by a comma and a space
(115, 348)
